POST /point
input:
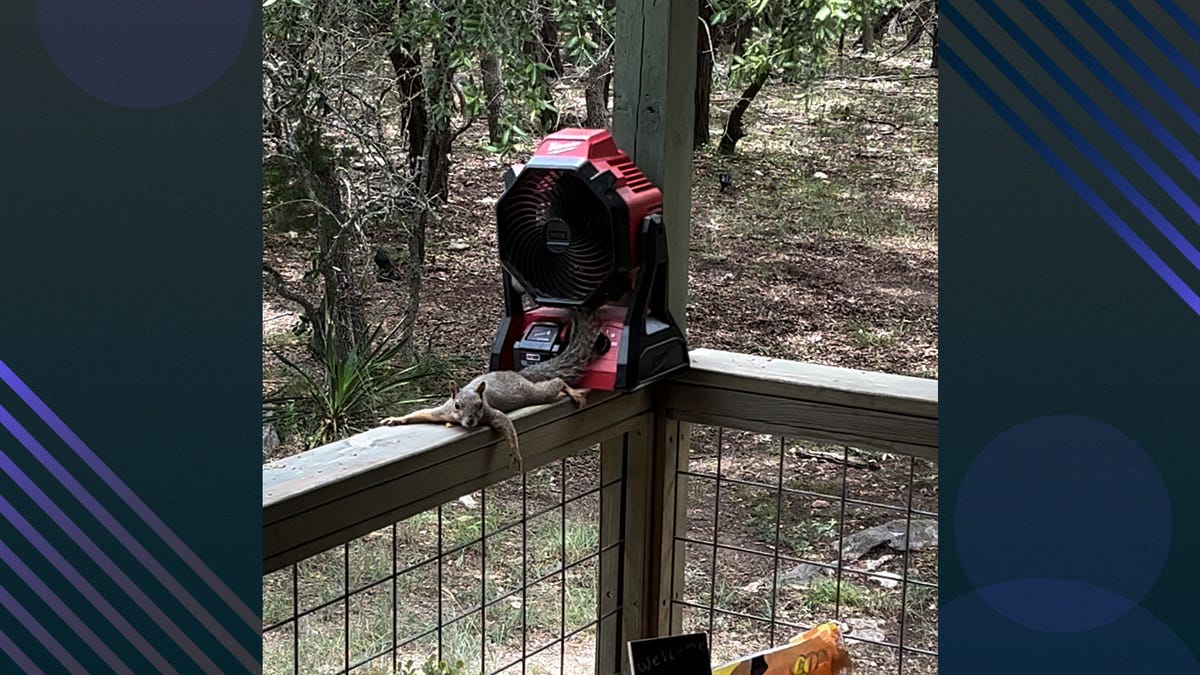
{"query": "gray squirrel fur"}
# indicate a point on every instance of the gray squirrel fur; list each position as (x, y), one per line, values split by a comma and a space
(487, 398)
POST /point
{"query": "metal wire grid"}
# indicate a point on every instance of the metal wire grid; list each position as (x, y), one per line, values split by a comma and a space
(901, 648)
(609, 543)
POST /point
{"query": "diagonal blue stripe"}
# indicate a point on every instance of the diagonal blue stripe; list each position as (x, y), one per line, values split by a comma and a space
(39, 631)
(100, 558)
(1159, 40)
(1066, 128)
(1077, 184)
(81, 584)
(14, 652)
(1113, 40)
(127, 495)
(127, 540)
(1099, 116)
(1181, 18)
(1101, 73)
(60, 608)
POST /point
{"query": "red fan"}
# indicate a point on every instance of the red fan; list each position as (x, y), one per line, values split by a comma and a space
(579, 226)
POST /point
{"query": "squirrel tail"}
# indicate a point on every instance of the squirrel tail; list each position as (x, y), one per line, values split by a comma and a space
(573, 361)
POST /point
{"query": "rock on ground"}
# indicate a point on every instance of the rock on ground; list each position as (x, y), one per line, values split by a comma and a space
(924, 536)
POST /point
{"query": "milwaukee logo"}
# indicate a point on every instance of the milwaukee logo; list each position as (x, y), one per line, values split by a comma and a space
(559, 147)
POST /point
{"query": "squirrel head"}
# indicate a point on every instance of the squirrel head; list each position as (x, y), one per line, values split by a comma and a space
(468, 405)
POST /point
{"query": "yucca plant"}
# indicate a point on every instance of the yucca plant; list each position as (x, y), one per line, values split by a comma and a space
(351, 388)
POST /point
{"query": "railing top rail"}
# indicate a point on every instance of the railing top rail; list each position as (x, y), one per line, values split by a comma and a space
(330, 494)
(291, 478)
(805, 400)
(880, 392)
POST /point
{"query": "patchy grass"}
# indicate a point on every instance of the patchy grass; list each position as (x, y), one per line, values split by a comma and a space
(865, 336)
(824, 592)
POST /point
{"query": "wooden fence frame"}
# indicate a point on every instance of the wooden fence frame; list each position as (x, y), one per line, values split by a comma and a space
(336, 493)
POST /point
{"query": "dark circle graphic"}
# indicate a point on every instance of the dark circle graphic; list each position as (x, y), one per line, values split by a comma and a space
(974, 639)
(1056, 500)
(143, 53)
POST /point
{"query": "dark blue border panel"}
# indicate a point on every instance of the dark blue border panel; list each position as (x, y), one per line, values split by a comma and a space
(1070, 344)
(130, 313)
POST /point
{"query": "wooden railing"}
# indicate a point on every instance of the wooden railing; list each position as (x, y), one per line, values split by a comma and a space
(326, 497)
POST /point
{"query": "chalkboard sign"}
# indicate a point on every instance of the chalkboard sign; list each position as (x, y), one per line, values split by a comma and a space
(674, 655)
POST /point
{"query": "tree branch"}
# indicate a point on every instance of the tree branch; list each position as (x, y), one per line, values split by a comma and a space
(281, 288)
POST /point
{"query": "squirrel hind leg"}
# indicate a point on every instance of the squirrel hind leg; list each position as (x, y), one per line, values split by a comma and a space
(559, 386)
(549, 391)
(576, 395)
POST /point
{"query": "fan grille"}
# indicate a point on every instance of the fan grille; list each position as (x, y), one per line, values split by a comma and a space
(556, 236)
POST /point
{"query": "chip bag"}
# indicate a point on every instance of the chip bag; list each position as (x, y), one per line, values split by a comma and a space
(817, 651)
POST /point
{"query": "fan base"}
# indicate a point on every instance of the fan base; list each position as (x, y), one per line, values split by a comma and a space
(626, 362)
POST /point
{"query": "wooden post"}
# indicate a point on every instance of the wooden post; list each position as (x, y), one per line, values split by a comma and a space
(636, 530)
(654, 79)
(668, 500)
(653, 574)
(610, 649)
(654, 84)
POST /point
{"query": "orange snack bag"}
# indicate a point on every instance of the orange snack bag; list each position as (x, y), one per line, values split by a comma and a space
(817, 651)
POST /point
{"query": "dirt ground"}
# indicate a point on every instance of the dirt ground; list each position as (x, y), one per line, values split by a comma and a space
(824, 250)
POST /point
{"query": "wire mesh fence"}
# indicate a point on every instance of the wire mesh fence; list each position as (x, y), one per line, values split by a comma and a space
(526, 576)
(506, 580)
(782, 534)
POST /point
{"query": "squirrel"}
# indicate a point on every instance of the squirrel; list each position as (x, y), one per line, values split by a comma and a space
(487, 398)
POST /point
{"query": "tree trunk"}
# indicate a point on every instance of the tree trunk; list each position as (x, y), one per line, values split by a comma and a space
(733, 126)
(489, 65)
(868, 33)
(704, 70)
(547, 117)
(416, 268)
(437, 161)
(873, 28)
(933, 19)
(343, 307)
(406, 63)
(918, 27)
(552, 53)
(595, 94)
(745, 28)
(881, 22)
(435, 169)
(431, 175)
(933, 62)
(344, 304)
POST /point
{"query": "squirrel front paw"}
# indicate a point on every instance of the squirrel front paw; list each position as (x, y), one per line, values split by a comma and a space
(392, 421)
